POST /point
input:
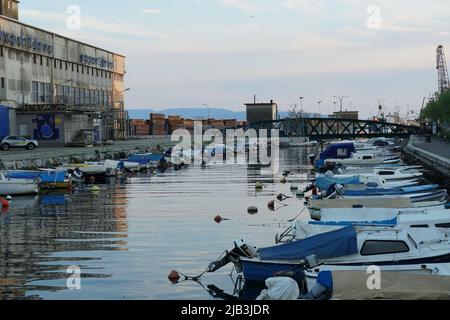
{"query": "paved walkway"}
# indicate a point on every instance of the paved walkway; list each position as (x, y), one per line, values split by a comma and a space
(117, 146)
(441, 149)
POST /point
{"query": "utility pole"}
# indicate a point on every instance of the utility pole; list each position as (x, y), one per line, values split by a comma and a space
(320, 108)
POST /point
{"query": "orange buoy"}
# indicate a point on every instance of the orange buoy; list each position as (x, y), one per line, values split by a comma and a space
(174, 277)
(4, 203)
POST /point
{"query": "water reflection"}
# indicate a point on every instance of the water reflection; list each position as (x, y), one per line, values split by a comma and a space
(36, 233)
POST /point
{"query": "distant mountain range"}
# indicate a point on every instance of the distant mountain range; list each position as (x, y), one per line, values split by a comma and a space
(189, 113)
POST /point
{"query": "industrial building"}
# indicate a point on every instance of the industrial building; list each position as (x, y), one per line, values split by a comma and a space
(261, 112)
(57, 90)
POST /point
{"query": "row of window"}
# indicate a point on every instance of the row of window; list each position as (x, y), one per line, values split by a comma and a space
(58, 64)
(41, 93)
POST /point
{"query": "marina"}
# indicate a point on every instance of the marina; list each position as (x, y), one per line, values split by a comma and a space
(135, 217)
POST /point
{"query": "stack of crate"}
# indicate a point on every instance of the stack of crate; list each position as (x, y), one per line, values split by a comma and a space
(175, 123)
(158, 124)
(188, 124)
(217, 124)
(141, 128)
(230, 123)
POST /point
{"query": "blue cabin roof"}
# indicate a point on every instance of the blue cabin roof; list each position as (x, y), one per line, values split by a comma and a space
(338, 151)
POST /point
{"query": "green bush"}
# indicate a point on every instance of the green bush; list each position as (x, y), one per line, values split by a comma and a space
(438, 109)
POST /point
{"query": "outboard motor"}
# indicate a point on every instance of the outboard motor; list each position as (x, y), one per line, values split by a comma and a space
(241, 250)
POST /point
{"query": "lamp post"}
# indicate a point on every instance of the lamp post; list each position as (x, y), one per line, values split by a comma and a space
(301, 104)
(341, 99)
(320, 108)
(207, 106)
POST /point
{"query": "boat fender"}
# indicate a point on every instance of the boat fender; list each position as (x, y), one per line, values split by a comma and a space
(252, 210)
(174, 277)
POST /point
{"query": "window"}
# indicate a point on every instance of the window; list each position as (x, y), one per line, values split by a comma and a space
(87, 71)
(73, 67)
(367, 157)
(377, 247)
(82, 69)
(40, 60)
(35, 91)
(2, 83)
(412, 241)
(387, 173)
(67, 66)
(443, 225)
(420, 226)
(41, 92)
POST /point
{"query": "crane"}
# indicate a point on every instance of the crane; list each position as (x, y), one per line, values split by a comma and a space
(441, 66)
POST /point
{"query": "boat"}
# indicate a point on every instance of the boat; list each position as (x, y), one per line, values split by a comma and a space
(92, 173)
(373, 190)
(324, 182)
(365, 159)
(146, 160)
(14, 187)
(415, 282)
(347, 246)
(389, 174)
(371, 202)
(47, 180)
(374, 214)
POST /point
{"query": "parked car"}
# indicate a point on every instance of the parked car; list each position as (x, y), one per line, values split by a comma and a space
(18, 142)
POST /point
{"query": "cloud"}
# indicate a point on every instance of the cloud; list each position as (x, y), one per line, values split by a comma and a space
(151, 11)
(249, 6)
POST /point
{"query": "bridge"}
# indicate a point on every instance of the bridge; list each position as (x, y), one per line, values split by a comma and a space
(333, 128)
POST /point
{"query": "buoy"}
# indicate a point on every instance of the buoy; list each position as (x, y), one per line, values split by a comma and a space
(258, 185)
(95, 188)
(218, 219)
(283, 180)
(174, 277)
(252, 210)
(9, 198)
(271, 205)
(294, 187)
(300, 194)
(4, 203)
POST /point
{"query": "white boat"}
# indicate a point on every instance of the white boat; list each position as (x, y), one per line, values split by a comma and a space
(14, 187)
(379, 214)
(365, 159)
(395, 203)
(113, 165)
(388, 173)
(100, 168)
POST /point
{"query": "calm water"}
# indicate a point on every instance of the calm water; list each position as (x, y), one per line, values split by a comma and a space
(130, 235)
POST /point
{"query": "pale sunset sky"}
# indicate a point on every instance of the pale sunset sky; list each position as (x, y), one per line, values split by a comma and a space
(186, 53)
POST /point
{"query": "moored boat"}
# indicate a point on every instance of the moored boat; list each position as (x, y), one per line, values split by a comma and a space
(14, 187)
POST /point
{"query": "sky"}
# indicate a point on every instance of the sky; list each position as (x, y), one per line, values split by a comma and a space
(186, 53)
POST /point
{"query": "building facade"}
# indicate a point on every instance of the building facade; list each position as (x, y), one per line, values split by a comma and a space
(261, 112)
(55, 89)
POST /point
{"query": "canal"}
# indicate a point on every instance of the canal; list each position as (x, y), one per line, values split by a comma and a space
(128, 236)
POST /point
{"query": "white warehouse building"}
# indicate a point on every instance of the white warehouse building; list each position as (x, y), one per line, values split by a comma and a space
(57, 90)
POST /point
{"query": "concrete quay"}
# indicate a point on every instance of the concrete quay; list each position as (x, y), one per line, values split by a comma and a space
(434, 155)
(19, 159)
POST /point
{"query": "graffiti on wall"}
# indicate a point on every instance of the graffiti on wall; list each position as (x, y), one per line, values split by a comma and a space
(46, 128)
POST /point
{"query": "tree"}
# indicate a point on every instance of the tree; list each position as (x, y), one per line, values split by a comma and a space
(438, 109)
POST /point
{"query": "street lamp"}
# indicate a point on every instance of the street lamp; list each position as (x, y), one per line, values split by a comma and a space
(320, 109)
(341, 99)
(207, 106)
(301, 104)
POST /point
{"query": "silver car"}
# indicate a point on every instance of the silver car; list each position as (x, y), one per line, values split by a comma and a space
(18, 142)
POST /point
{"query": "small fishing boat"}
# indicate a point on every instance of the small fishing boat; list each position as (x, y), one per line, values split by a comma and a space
(14, 187)
(324, 182)
(365, 159)
(346, 246)
(411, 282)
(91, 173)
(371, 202)
(47, 180)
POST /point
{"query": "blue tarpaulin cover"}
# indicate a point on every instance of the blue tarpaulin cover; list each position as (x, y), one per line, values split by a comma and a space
(45, 177)
(324, 182)
(338, 243)
(145, 158)
(338, 151)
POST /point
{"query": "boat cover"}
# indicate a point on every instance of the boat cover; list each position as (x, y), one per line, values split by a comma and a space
(324, 182)
(352, 285)
(338, 243)
(45, 177)
(146, 158)
(338, 151)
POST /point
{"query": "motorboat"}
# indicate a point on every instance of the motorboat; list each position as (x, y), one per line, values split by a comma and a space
(389, 174)
(371, 202)
(365, 159)
(14, 187)
(324, 182)
(346, 246)
(373, 190)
